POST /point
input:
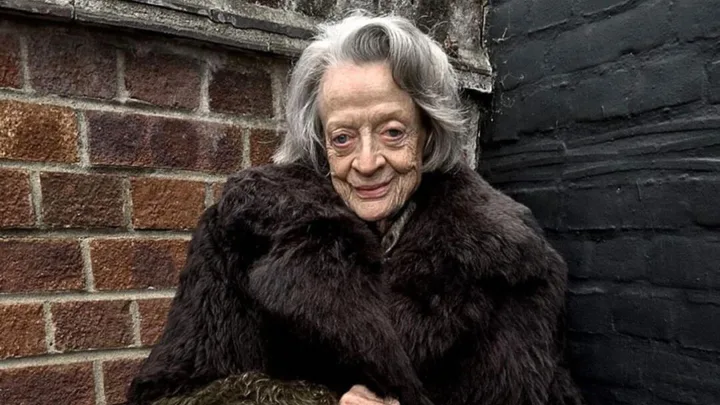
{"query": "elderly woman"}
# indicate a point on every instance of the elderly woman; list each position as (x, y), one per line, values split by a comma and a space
(368, 264)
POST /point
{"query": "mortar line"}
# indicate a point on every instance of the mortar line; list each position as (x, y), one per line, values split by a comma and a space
(117, 171)
(122, 94)
(86, 233)
(204, 102)
(246, 149)
(141, 109)
(136, 319)
(36, 193)
(77, 357)
(25, 63)
(87, 265)
(99, 383)
(83, 142)
(209, 196)
(49, 328)
(278, 91)
(52, 298)
(127, 204)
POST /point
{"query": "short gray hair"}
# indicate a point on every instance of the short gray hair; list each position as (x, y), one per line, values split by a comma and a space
(418, 65)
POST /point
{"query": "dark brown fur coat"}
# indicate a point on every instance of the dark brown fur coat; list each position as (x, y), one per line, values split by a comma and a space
(284, 280)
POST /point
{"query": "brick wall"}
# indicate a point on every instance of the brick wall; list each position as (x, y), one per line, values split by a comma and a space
(111, 145)
(606, 122)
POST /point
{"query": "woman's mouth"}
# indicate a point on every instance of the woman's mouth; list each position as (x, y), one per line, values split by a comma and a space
(374, 191)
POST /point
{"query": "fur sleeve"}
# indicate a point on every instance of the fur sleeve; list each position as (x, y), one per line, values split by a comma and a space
(211, 328)
(519, 358)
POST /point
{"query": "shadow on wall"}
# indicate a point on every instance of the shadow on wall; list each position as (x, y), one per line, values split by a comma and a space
(606, 122)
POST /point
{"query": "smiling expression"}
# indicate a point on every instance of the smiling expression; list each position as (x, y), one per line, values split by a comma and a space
(373, 135)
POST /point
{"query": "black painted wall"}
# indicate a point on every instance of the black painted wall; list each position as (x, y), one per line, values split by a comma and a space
(606, 122)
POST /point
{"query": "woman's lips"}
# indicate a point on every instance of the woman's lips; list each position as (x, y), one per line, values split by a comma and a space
(373, 191)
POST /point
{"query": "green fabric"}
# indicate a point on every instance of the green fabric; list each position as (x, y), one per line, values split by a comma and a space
(254, 389)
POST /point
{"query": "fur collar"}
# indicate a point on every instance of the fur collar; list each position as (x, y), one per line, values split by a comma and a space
(458, 216)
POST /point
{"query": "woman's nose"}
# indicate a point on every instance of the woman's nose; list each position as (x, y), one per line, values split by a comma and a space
(369, 158)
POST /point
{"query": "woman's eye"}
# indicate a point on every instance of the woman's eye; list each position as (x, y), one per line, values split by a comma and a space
(395, 133)
(341, 140)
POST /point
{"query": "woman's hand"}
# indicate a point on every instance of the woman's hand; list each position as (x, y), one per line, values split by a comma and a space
(360, 395)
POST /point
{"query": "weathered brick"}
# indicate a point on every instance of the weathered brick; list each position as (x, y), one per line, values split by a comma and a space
(672, 80)
(15, 201)
(639, 29)
(10, 73)
(40, 265)
(507, 20)
(622, 259)
(269, 3)
(641, 315)
(262, 146)
(577, 255)
(119, 264)
(319, 8)
(81, 200)
(530, 109)
(37, 132)
(589, 313)
(218, 190)
(544, 204)
(591, 100)
(149, 141)
(544, 14)
(163, 79)
(713, 77)
(636, 206)
(522, 63)
(699, 328)
(608, 360)
(166, 204)
(22, 330)
(70, 384)
(71, 62)
(684, 262)
(117, 376)
(92, 325)
(693, 19)
(664, 364)
(241, 89)
(589, 7)
(153, 314)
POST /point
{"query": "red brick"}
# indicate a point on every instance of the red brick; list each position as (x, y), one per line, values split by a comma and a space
(81, 200)
(37, 132)
(153, 314)
(57, 385)
(22, 330)
(159, 142)
(120, 264)
(40, 265)
(262, 146)
(218, 190)
(10, 73)
(241, 88)
(162, 79)
(92, 325)
(15, 201)
(117, 377)
(166, 204)
(71, 62)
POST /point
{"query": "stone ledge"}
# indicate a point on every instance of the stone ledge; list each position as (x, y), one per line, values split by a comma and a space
(231, 23)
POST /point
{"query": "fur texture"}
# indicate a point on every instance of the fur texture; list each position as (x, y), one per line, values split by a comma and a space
(284, 280)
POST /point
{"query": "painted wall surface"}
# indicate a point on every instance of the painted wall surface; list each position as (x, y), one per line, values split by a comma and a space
(606, 122)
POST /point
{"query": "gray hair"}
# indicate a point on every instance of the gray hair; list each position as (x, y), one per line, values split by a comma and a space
(418, 65)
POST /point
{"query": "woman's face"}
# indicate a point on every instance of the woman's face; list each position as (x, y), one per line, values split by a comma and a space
(373, 136)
